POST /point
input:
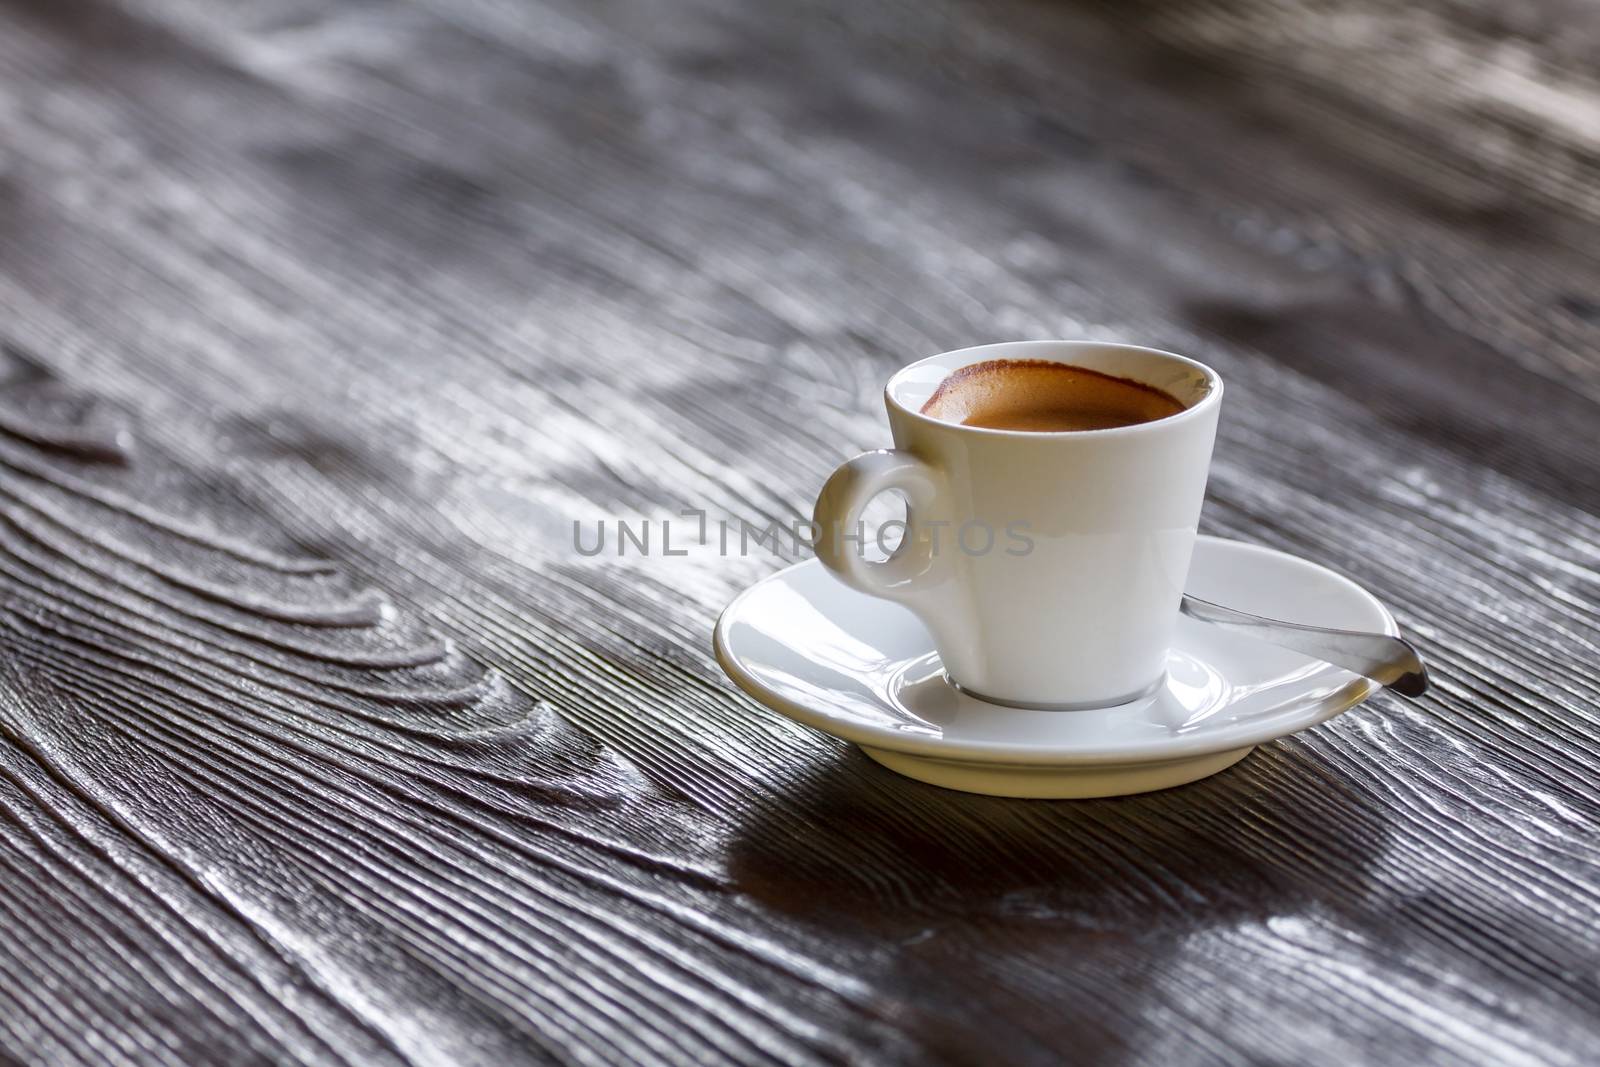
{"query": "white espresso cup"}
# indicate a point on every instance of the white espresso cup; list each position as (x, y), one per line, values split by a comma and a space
(1048, 567)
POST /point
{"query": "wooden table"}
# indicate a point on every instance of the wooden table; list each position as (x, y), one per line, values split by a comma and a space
(323, 323)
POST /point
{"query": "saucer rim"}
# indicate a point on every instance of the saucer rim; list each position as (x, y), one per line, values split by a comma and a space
(1000, 753)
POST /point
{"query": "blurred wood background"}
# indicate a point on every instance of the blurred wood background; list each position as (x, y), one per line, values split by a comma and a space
(323, 322)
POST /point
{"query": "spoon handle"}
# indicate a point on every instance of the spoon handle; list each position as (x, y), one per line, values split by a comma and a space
(1388, 660)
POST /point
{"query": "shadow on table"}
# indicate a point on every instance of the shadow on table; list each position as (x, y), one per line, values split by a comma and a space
(975, 919)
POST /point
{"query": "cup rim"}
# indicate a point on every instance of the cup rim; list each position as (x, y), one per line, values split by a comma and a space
(1212, 398)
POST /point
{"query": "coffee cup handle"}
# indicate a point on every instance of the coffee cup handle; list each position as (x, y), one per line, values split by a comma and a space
(911, 571)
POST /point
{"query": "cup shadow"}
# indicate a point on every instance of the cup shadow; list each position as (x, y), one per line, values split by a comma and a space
(994, 927)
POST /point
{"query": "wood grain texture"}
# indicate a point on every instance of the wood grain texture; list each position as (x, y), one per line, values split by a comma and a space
(323, 323)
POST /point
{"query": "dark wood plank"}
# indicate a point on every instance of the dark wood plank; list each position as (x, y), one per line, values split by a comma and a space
(323, 323)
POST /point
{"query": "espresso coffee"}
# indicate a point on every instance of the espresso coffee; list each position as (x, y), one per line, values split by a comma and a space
(1045, 397)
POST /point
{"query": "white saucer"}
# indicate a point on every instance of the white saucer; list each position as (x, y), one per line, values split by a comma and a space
(864, 670)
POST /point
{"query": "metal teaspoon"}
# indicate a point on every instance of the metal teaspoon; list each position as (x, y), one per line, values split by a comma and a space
(1390, 661)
